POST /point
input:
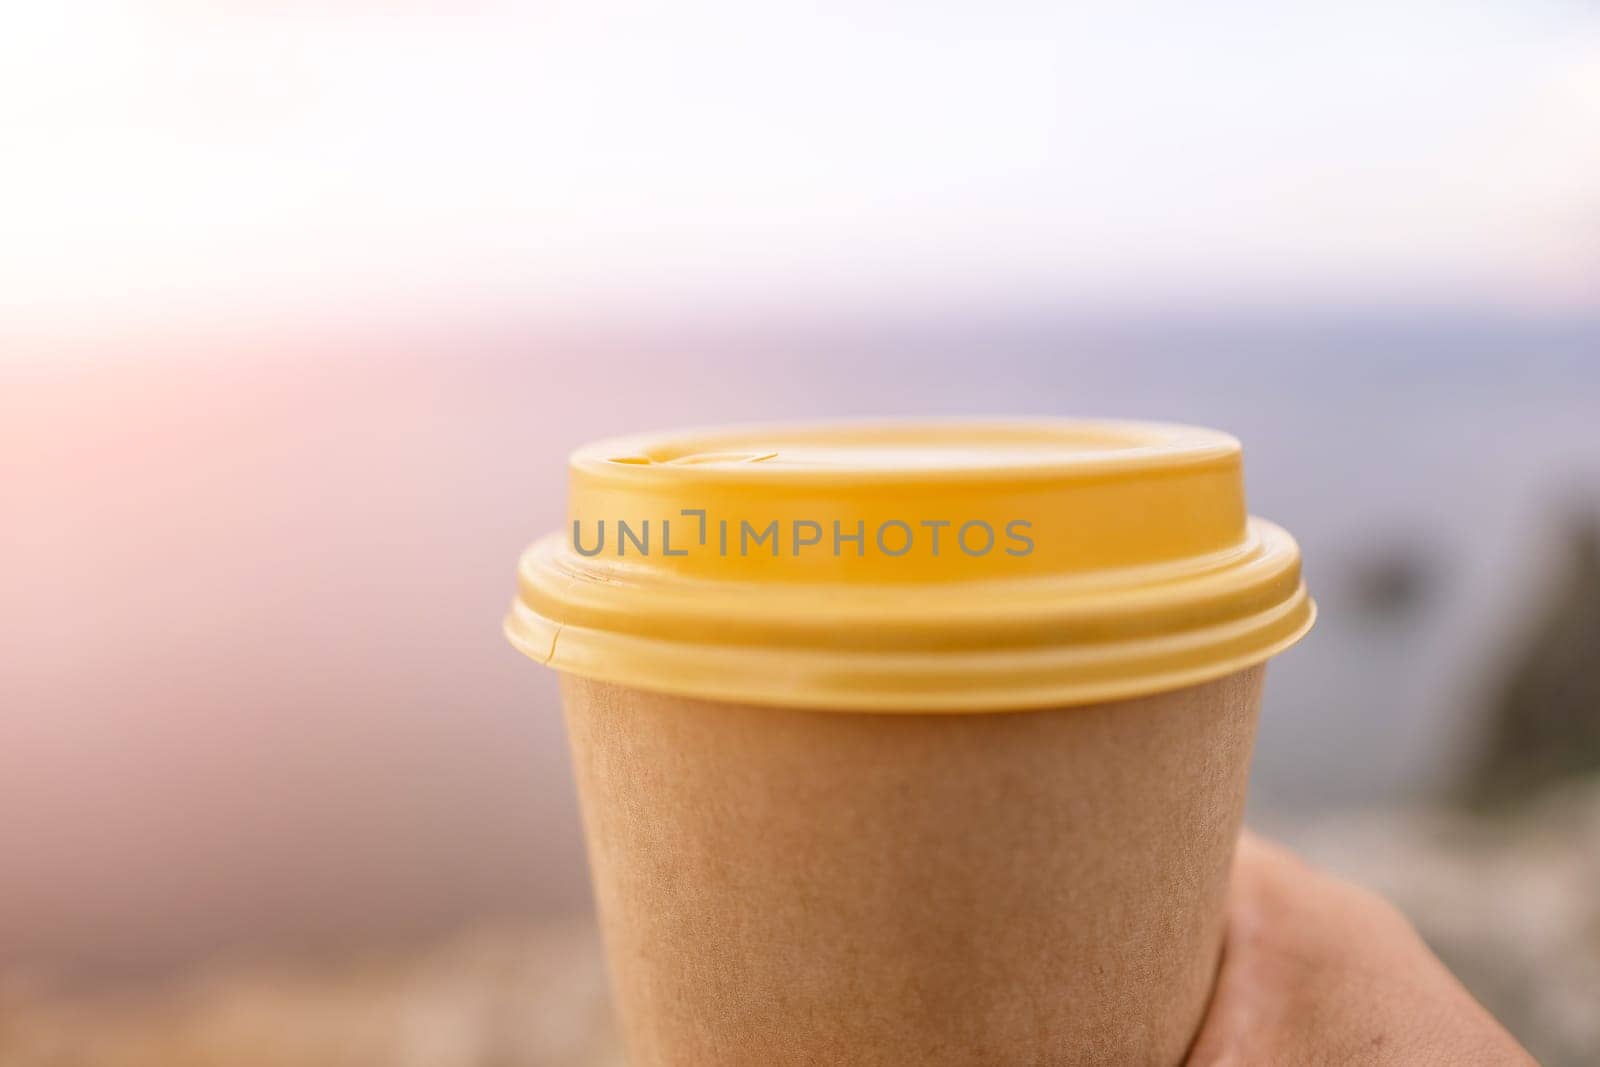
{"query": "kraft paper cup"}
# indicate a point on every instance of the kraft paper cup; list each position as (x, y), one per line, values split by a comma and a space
(854, 793)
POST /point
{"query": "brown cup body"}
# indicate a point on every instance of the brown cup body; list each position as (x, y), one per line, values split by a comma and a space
(781, 886)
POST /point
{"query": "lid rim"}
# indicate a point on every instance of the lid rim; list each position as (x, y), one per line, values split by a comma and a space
(1145, 600)
(919, 685)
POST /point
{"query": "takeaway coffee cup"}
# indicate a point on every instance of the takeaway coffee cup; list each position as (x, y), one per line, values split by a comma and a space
(911, 742)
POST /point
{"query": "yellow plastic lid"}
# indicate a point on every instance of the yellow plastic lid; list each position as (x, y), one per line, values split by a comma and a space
(911, 566)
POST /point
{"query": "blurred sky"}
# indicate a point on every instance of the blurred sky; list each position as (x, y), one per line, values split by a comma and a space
(192, 159)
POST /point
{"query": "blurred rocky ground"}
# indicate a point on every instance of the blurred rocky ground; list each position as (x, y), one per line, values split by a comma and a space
(493, 997)
(1509, 900)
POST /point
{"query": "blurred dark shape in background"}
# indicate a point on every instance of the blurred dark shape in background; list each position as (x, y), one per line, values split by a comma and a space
(1394, 583)
(1544, 728)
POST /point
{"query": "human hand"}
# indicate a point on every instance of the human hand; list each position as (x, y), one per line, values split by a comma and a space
(1318, 972)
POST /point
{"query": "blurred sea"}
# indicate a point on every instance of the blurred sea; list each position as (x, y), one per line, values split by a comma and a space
(253, 667)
